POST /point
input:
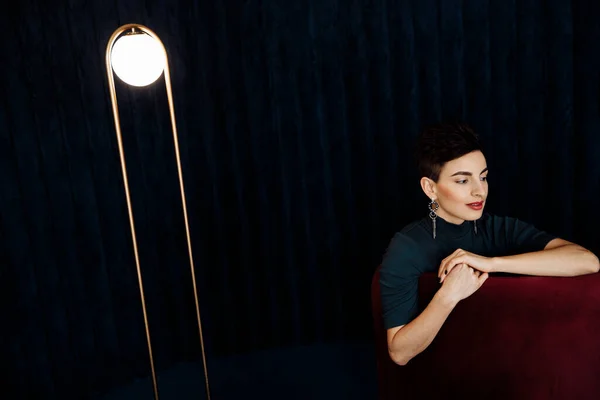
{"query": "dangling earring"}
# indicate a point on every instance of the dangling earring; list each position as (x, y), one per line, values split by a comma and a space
(475, 225)
(433, 207)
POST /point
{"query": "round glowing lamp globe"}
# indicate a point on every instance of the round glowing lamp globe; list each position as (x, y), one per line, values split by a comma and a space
(138, 59)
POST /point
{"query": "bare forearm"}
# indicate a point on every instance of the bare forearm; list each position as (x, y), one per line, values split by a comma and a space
(569, 260)
(418, 334)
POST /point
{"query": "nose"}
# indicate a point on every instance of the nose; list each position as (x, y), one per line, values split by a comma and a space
(478, 190)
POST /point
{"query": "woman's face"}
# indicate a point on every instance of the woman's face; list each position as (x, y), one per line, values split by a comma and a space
(462, 188)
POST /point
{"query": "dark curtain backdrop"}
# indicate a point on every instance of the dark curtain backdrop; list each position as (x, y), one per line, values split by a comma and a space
(296, 121)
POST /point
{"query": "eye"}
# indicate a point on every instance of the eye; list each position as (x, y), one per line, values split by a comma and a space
(462, 182)
(484, 178)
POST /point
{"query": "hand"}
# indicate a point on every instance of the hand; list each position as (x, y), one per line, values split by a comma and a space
(460, 256)
(462, 282)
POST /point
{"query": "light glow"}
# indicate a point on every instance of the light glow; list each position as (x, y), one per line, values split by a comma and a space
(138, 59)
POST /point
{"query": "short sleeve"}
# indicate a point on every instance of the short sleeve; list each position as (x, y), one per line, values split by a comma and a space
(399, 280)
(522, 237)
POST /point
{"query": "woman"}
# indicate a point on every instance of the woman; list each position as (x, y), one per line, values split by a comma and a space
(460, 242)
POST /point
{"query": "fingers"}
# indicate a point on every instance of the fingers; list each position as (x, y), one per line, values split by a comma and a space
(446, 268)
(483, 277)
(442, 270)
(454, 267)
(450, 266)
(443, 265)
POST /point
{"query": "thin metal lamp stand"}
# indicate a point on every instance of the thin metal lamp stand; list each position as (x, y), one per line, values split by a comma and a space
(131, 28)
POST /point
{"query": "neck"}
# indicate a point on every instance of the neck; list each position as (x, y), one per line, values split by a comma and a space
(449, 219)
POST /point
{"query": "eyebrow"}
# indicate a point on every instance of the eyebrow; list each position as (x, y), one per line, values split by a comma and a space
(467, 173)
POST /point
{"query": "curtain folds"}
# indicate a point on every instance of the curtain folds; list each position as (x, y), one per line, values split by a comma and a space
(296, 123)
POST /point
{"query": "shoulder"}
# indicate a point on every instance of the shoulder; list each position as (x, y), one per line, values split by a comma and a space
(489, 218)
(400, 244)
(407, 239)
(403, 250)
(498, 222)
(505, 223)
(518, 235)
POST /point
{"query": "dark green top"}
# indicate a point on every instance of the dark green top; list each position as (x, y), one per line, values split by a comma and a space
(413, 251)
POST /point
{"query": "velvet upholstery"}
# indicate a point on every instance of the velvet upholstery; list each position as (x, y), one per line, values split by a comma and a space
(517, 337)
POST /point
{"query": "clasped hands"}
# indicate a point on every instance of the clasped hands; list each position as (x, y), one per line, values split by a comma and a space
(479, 264)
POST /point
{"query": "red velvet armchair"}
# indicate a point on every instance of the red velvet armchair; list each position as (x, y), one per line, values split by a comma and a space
(515, 338)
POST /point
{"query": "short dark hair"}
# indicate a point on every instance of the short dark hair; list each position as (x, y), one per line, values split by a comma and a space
(440, 143)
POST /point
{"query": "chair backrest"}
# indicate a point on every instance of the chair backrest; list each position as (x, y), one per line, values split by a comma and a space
(516, 337)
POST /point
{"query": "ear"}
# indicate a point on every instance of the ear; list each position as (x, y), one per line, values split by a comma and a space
(429, 188)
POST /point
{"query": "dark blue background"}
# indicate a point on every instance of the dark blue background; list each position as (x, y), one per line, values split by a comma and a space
(296, 121)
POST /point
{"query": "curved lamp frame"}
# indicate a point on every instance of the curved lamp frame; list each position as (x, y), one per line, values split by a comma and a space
(113, 96)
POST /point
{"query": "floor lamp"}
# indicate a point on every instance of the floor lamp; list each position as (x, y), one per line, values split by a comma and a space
(138, 57)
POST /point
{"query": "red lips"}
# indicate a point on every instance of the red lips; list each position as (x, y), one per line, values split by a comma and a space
(476, 206)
